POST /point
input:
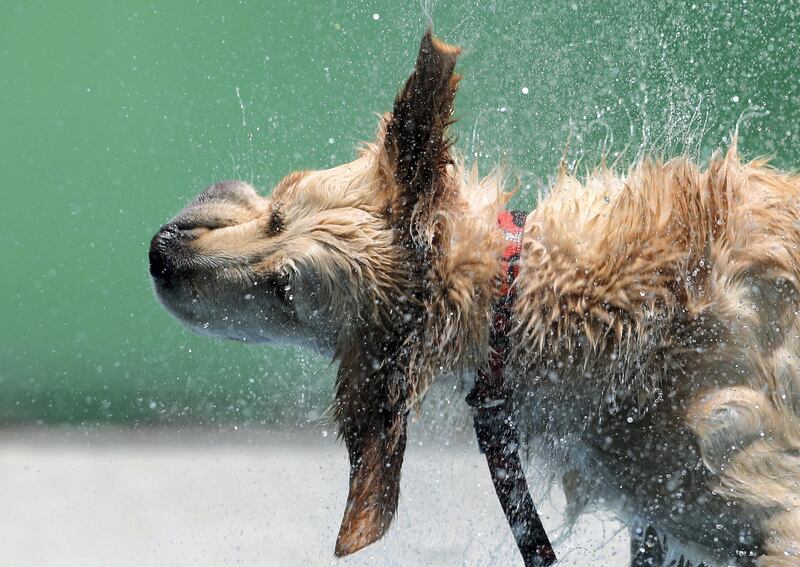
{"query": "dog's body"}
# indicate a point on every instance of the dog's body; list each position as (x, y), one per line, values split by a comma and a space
(657, 334)
(655, 325)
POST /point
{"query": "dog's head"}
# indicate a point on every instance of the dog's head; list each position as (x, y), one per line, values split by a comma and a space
(337, 260)
(320, 254)
(302, 266)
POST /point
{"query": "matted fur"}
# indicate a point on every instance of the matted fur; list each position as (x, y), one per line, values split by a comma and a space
(655, 328)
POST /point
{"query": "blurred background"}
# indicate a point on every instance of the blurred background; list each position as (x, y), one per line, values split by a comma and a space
(114, 114)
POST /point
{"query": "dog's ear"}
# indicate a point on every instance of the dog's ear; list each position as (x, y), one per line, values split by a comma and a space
(372, 416)
(372, 393)
(416, 142)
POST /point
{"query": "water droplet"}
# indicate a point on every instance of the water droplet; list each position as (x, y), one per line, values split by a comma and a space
(376, 17)
(525, 90)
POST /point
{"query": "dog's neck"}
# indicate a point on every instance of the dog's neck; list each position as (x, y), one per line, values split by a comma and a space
(467, 278)
(460, 280)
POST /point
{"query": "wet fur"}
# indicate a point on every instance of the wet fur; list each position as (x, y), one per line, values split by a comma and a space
(656, 343)
(656, 323)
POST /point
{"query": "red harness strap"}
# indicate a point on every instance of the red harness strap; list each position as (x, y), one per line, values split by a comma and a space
(494, 425)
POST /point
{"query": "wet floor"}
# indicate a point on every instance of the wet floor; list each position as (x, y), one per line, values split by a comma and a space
(75, 497)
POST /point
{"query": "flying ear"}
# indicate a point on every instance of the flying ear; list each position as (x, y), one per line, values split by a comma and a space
(372, 416)
(372, 393)
(416, 140)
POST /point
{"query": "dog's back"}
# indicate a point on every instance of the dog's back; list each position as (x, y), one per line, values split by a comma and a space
(658, 327)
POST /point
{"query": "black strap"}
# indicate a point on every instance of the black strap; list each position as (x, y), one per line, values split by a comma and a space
(497, 434)
(499, 441)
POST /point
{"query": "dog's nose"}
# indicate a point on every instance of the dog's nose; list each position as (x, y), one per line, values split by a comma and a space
(163, 252)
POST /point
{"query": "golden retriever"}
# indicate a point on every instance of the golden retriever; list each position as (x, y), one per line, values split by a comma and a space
(655, 329)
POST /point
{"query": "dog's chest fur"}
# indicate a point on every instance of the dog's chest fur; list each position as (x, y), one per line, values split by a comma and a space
(639, 461)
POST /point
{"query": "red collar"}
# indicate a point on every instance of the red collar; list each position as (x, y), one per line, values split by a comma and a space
(490, 383)
(513, 225)
(490, 398)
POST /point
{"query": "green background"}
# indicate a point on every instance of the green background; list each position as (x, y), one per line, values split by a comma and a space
(113, 114)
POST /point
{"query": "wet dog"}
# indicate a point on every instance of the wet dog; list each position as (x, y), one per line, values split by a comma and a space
(654, 334)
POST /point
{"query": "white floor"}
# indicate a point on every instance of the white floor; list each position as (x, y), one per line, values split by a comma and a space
(166, 498)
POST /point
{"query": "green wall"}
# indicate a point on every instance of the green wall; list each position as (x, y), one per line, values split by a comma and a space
(113, 114)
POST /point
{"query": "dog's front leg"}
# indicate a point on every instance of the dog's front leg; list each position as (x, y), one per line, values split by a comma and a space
(371, 409)
(647, 549)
